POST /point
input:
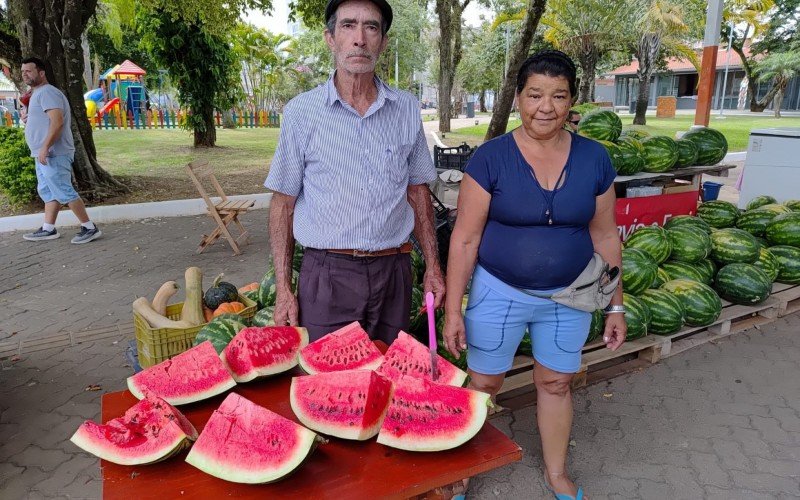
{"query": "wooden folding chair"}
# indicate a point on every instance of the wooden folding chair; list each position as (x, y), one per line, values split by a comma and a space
(224, 212)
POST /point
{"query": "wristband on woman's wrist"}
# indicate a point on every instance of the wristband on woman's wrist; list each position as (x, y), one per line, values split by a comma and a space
(614, 310)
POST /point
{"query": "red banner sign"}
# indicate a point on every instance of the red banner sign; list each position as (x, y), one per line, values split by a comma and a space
(633, 213)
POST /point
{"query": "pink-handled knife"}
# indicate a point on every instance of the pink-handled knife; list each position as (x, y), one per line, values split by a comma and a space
(432, 336)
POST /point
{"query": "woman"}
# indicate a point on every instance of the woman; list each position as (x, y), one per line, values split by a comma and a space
(534, 206)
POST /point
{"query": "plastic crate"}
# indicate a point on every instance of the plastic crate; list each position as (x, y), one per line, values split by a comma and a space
(455, 158)
(155, 345)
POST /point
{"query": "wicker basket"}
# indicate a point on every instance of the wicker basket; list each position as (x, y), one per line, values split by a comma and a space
(155, 345)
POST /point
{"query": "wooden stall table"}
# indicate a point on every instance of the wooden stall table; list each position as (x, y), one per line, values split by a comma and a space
(340, 469)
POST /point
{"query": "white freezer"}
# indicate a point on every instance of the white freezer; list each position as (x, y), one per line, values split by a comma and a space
(772, 166)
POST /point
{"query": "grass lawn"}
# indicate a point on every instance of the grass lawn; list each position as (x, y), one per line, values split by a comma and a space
(736, 128)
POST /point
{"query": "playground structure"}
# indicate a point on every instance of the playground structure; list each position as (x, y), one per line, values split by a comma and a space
(121, 92)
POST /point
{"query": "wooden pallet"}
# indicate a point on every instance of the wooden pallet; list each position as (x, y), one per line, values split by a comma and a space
(789, 297)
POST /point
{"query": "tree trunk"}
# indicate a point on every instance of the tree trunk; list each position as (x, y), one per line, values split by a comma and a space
(756, 106)
(208, 137)
(10, 51)
(87, 61)
(588, 62)
(51, 30)
(482, 100)
(780, 85)
(642, 99)
(449, 13)
(647, 52)
(517, 55)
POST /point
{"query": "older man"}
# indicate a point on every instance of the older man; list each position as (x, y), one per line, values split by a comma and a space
(349, 179)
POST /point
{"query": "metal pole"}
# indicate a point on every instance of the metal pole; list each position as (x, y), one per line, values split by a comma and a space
(727, 63)
(705, 88)
(397, 63)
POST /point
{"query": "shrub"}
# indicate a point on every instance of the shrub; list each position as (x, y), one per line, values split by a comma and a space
(17, 168)
(584, 108)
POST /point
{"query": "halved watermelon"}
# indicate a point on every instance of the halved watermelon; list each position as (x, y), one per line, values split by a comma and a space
(246, 443)
(190, 376)
(408, 356)
(348, 348)
(348, 405)
(150, 431)
(426, 416)
(258, 351)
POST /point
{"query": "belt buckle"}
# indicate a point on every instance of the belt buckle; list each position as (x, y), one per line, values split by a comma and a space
(359, 254)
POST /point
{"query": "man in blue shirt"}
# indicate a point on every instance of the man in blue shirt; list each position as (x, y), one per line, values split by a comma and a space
(350, 181)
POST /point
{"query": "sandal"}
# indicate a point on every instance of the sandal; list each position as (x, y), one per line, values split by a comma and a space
(563, 496)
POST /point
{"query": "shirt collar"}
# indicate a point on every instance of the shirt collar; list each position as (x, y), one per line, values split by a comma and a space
(384, 92)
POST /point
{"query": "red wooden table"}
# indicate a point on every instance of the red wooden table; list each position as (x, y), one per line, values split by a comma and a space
(340, 469)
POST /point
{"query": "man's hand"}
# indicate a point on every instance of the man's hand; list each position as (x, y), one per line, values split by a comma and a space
(42, 155)
(615, 331)
(286, 309)
(433, 282)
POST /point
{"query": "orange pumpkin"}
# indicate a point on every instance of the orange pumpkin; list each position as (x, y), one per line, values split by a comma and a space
(208, 314)
(252, 287)
(229, 307)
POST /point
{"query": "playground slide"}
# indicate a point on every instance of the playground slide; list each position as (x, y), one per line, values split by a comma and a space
(109, 105)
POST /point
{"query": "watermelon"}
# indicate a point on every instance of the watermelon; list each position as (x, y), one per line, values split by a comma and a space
(348, 348)
(597, 326)
(685, 270)
(712, 146)
(637, 316)
(614, 153)
(733, 245)
(264, 317)
(220, 330)
(687, 153)
(418, 321)
(700, 302)
(776, 208)
(426, 416)
(755, 221)
(638, 272)
(718, 213)
(768, 263)
(246, 443)
(784, 230)
(190, 376)
(408, 356)
(762, 243)
(633, 133)
(653, 240)
(297, 257)
(601, 125)
(666, 311)
(348, 404)
(707, 269)
(631, 156)
(743, 284)
(661, 278)
(793, 205)
(417, 267)
(687, 220)
(267, 288)
(760, 201)
(788, 262)
(260, 351)
(689, 244)
(150, 431)
(660, 153)
(525, 345)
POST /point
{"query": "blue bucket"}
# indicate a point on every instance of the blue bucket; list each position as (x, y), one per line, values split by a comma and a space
(711, 190)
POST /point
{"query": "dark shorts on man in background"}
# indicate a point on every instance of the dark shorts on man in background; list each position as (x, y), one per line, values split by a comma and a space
(335, 290)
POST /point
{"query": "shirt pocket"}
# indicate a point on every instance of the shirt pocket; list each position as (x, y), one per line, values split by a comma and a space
(392, 162)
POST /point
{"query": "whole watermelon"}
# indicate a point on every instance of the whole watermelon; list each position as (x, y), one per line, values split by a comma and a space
(755, 221)
(689, 244)
(743, 284)
(687, 220)
(784, 230)
(707, 269)
(267, 288)
(687, 153)
(777, 208)
(793, 205)
(637, 134)
(789, 262)
(718, 213)
(653, 240)
(712, 146)
(762, 242)
(660, 153)
(597, 326)
(666, 311)
(661, 278)
(631, 156)
(768, 263)
(220, 330)
(700, 302)
(526, 345)
(638, 272)
(760, 201)
(684, 270)
(637, 316)
(614, 153)
(733, 245)
(601, 125)
(264, 317)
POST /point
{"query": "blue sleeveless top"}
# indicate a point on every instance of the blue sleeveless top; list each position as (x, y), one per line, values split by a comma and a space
(518, 245)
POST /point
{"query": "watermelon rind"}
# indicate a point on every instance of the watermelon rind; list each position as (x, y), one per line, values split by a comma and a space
(651, 239)
(601, 125)
(348, 348)
(689, 244)
(731, 245)
(712, 146)
(685, 270)
(634, 133)
(349, 404)
(788, 262)
(660, 153)
(220, 330)
(152, 430)
(784, 230)
(760, 201)
(638, 272)
(407, 356)
(666, 311)
(718, 214)
(777, 208)
(637, 316)
(755, 221)
(701, 303)
(191, 376)
(631, 156)
(687, 153)
(596, 327)
(243, 442)
(426, 416)
(687, 220)
(743, 284)
(661, 278)
(261, 351)
(793, 205)
(768, 263)
(707, 269)
(264, 317)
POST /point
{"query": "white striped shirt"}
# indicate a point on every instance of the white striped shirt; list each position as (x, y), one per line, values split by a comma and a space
(350, 173)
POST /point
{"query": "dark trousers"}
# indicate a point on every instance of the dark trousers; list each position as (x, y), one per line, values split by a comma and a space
(335, 290)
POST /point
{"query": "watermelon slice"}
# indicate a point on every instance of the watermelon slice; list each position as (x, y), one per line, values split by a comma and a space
(190, 376)
(426, 416)
(348, 405)
(408, 355)
(150, 431)
(246, 443)
(261, 351)
(348, 348)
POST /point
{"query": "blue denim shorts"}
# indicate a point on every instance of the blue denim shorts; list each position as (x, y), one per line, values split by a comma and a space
(497, 317)
(55, 180)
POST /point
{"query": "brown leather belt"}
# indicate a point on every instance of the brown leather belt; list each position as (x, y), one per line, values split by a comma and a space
(404, 248)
